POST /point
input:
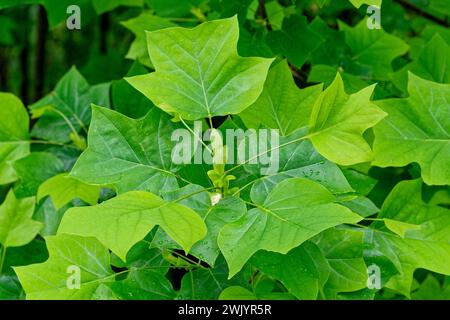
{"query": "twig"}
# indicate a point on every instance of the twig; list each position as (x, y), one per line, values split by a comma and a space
(409, 6)
(263, 14)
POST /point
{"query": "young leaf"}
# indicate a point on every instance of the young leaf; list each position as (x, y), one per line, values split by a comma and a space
(199, 73)
(50, 280)
(13, 135)
(125, 220)
(417, 130)
(338, 121)
(294, 211)
(16, 226)
(281, 105)
(140, 158)
(62, 189)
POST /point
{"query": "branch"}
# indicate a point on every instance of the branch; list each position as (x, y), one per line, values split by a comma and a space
(420, 12)
(263, 13)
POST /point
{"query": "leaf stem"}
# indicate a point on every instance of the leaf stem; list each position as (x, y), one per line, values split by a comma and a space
(195, 136)
(69, 123)
(211, 125)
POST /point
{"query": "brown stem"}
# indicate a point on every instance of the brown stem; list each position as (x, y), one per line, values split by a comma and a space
(411, 7)
(263, 14)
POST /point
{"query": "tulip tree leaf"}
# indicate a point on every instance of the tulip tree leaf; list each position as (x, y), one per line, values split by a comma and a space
(340, 120)
(432, 64)
(67, 107)
(139, 25)
(215, 217)
(49, 280)
(281, 105)
(62, 189)
(143, 285)
(422, 239)
(294, 211)
(125, 220)
(359, 3)
(136, 162)
(343, 250)
(407, 255)
(420, 220)
(299, 159)
(417, 130)
(16, 226)
(373, 49)
(296, 40)
(13, 135)
(199, 73)
(303, 270)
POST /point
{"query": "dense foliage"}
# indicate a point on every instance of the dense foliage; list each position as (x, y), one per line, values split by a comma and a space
(95, 207)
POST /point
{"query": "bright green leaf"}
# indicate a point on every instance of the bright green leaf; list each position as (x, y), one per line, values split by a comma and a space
(417, 130)
(277, 226)
(13, 135)
(125, 220)
(338, 121)
(67, 109)
(141, 156)
(49, 280)
(199, 73)
(62, 189)
(16, 226)
(282, 105)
